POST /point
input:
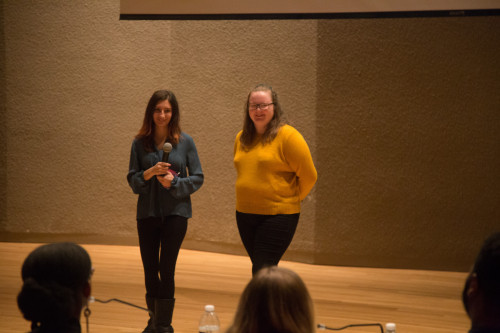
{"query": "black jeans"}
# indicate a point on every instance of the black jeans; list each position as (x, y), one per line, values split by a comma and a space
(266, 237)
(160, 242)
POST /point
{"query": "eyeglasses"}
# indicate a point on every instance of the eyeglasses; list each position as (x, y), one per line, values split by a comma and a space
(159, 111)
(259, 106)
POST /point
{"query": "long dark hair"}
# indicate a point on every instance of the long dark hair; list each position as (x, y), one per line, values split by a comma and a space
(249, 134)
(147, 131)
(54, 277)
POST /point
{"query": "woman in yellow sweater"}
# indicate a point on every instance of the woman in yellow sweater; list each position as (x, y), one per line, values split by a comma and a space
(275, 172)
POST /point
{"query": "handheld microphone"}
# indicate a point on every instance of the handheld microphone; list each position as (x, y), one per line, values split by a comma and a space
(167, 148)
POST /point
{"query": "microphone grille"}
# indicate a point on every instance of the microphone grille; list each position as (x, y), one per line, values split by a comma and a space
(167, 147)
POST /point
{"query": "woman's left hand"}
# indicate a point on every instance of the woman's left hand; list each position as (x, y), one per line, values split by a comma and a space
(165, 180)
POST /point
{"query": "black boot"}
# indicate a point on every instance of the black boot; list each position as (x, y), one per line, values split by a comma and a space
(150, 301)
(164, 309)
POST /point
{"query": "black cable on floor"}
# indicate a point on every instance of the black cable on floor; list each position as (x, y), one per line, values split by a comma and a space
(324, 327)
(119, 301)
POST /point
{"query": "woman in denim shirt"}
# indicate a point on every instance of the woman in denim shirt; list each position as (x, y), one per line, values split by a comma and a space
(164, 203)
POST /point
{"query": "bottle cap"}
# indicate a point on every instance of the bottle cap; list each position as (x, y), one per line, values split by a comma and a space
(390, 327)
(209, 308)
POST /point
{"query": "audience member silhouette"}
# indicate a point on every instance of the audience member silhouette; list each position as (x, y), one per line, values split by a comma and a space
(276, 300)
(481, 294)
(56, 287)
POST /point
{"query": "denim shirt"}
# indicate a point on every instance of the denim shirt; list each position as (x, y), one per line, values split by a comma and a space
(155, 200)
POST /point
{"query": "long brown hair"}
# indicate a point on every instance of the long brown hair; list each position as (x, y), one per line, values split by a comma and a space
(249, 132)
(147, 131)
(275, 300)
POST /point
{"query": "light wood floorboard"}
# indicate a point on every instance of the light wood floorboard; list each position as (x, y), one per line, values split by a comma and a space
(417, 301)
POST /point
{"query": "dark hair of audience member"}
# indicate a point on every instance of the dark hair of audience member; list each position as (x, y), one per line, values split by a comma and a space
(487, 270)
(55, 284)
(481, 293)
(275, 300)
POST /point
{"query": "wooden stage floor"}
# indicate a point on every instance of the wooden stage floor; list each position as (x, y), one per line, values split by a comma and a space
(417, 301)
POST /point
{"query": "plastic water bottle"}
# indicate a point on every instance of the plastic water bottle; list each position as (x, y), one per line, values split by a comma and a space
(209, 323)
(390, 328)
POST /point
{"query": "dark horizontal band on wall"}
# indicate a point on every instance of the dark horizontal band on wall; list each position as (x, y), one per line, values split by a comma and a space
(31, 237)
(307, 16)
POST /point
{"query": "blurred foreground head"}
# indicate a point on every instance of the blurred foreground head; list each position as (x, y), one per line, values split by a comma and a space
(56, 286)
(481, 294)
(275, 300)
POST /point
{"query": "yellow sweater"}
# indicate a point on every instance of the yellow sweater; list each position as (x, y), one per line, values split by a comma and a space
(275, 177)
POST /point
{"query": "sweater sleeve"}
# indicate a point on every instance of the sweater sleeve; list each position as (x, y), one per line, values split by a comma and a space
(184, 186)
(135, 176)
(298, 156)
(237, 142)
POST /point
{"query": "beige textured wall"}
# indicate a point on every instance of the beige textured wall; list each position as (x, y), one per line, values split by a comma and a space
(401, 116)
(410, 141)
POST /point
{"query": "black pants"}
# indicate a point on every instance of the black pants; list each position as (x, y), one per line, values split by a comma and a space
(160, 242)
(266, 237)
